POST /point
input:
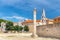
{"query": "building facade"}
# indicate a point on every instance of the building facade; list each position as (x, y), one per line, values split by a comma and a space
(57, 19)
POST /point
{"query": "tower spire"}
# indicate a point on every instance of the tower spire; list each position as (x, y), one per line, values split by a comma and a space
(43, 17)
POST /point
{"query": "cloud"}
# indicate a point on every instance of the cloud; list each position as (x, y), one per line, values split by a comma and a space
(21, 7)
(20, 18)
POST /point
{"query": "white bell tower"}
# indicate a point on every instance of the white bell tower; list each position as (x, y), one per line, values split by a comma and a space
(43, 17)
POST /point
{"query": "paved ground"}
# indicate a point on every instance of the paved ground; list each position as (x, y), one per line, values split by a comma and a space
(22, 37)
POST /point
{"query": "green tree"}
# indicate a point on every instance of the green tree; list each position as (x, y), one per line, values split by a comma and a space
(26, 28)
(9, 26)
(8, 23)
(2, 20)
(18, 28)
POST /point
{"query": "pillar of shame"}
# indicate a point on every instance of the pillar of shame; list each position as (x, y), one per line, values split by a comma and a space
(3, 26)
(34, 32)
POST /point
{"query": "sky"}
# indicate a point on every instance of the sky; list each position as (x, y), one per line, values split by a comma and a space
(20, 10)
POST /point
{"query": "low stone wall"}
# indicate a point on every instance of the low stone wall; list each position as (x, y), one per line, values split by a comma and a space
(50, 30)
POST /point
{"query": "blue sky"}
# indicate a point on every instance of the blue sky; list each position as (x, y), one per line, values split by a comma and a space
(19, 10)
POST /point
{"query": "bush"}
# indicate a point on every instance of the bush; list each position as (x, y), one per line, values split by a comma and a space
(14, 28)
(18, 28)
(26, 28)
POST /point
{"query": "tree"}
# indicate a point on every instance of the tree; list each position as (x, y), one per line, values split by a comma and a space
(20, 28)
(9, 26)
(8, 23)
(16, 28)
(2, 20)
(26, 28)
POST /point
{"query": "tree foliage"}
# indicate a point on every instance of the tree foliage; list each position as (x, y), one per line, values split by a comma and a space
(10, 27)
(9, 24)
(18, 28)
(26, 28)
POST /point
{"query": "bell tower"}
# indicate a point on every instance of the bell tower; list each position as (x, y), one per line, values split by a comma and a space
(43, 17)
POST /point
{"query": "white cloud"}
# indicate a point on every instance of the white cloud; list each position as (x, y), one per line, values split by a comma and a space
(16, 17)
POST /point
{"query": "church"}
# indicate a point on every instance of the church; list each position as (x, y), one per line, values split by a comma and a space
(44, 20)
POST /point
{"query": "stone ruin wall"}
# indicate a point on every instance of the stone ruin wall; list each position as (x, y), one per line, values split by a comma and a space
(50, 30)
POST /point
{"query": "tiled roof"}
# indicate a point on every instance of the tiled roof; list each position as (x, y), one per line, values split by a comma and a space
(30, 21)
(57, 17)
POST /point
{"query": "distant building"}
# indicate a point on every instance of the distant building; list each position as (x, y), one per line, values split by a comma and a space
(17, 23)
(57, 19)
(30, 22)
(38, 22)
(43, 21)
(14, 23)
(51, 21)
(20, 23)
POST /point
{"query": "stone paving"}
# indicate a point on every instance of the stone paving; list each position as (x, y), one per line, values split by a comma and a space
(25, 38)
(21, 37)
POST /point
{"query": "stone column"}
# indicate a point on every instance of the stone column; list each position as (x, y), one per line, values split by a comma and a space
(34, 32)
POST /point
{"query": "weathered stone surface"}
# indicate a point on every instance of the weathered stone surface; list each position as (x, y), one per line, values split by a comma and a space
(52, 30)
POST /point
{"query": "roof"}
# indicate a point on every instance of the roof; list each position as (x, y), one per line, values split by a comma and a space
(57, 17)
(30, 21)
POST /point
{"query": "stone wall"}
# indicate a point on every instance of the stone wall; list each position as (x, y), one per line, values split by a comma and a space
(50, 30)
(31, 28)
